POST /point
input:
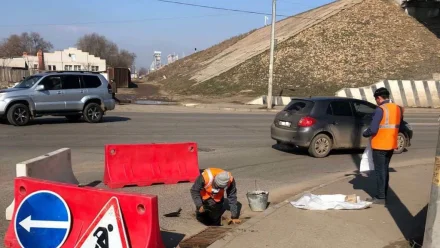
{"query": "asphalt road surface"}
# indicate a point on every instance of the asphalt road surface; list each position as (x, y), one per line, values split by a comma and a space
(238, 142)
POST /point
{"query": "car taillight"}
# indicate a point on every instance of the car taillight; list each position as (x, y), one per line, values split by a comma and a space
(306, 121)
(109, 87)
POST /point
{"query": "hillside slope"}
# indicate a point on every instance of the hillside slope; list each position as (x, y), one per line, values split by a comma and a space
(346, 43)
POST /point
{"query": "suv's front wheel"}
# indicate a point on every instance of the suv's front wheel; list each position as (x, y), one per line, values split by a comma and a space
(93, 113)
(19, 115)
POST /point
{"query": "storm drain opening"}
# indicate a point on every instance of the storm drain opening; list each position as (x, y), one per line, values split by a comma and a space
(205, 149)
(205, 238)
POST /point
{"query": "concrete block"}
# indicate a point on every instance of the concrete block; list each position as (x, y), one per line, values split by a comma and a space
(55, 166)
(406, 93)
(356, 93)
(395, 92)
(341, 93)
(369, 94)
(432, 88)
(421, 94)
(257, 101)
(276, 100)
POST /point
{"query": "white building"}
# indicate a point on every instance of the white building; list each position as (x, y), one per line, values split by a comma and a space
(70, 59)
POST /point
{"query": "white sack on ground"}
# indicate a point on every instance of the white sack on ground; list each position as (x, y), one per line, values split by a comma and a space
(367, 159)
(327, 202)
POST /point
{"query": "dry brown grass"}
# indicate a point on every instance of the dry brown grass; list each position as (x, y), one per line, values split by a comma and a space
(361, 45)
(178, 73)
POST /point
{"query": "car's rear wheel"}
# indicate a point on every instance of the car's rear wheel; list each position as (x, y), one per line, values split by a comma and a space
(320, 146)
(19, 115)
(401, 143)
(93, 113)
(73, 118)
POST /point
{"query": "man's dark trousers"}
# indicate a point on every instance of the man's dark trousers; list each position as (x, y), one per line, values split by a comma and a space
(381, 159)
(213, 213)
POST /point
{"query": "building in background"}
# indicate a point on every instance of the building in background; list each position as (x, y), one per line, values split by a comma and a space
(157, 61)
(70, 59)
(172, 58)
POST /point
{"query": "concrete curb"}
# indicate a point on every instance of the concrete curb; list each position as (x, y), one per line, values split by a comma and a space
(254, 220)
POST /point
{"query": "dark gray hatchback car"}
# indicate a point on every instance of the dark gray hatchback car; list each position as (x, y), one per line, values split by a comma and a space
(321, 124)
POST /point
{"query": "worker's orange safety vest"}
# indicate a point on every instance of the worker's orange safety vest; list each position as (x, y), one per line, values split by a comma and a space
(208, 176)
(386, 137)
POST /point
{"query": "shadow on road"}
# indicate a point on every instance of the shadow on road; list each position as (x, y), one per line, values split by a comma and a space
(171, 239)
(62, 120)
(91, 184)
(132, 85)
(411, 227)
(304, 152)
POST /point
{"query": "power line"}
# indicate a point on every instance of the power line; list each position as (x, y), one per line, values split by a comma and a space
(218, 8)
(255, 12)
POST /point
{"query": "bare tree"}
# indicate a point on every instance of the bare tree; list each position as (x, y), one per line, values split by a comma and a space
(125, 59)
(15, 45)
(33, 42)
(100, 46)
(143, 71)
(11, 47)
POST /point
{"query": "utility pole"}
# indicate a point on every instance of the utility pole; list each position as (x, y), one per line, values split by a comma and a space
(272, 48)
(432, 228)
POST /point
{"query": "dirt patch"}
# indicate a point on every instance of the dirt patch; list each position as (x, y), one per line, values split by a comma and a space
(141, 91)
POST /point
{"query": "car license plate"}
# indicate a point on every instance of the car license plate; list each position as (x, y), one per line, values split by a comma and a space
(284, 123)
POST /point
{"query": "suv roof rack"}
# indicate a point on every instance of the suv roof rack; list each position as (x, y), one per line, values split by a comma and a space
(94, 72)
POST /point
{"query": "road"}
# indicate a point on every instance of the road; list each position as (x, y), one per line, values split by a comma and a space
(238, 142)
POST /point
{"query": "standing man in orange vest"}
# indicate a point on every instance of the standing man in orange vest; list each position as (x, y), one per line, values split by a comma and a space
(208, 195)
(384, 129)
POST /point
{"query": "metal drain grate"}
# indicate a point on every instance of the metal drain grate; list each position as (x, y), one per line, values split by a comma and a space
(205, 238)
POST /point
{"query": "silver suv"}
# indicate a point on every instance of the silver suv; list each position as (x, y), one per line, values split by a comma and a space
(69, 94)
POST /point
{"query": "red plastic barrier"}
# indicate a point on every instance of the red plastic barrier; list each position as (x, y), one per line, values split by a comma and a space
(139, 212)
(147, 164)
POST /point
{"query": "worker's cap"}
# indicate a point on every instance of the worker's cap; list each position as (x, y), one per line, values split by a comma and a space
(221, 180)
(381, 92)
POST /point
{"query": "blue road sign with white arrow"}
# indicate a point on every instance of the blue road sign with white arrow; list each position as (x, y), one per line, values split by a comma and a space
(42, 220)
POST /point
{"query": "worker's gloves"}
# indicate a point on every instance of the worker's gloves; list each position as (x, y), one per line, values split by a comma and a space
(234, 221)
(201, 209)
(366, 133)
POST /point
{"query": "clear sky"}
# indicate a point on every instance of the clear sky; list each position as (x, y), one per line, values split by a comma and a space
(142, 26)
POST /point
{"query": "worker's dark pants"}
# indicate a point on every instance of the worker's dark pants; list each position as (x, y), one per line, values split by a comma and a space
(114, 97)
(213, 213)
(381, 161)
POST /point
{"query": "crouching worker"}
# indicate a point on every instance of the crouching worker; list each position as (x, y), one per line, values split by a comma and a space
(208, 195)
